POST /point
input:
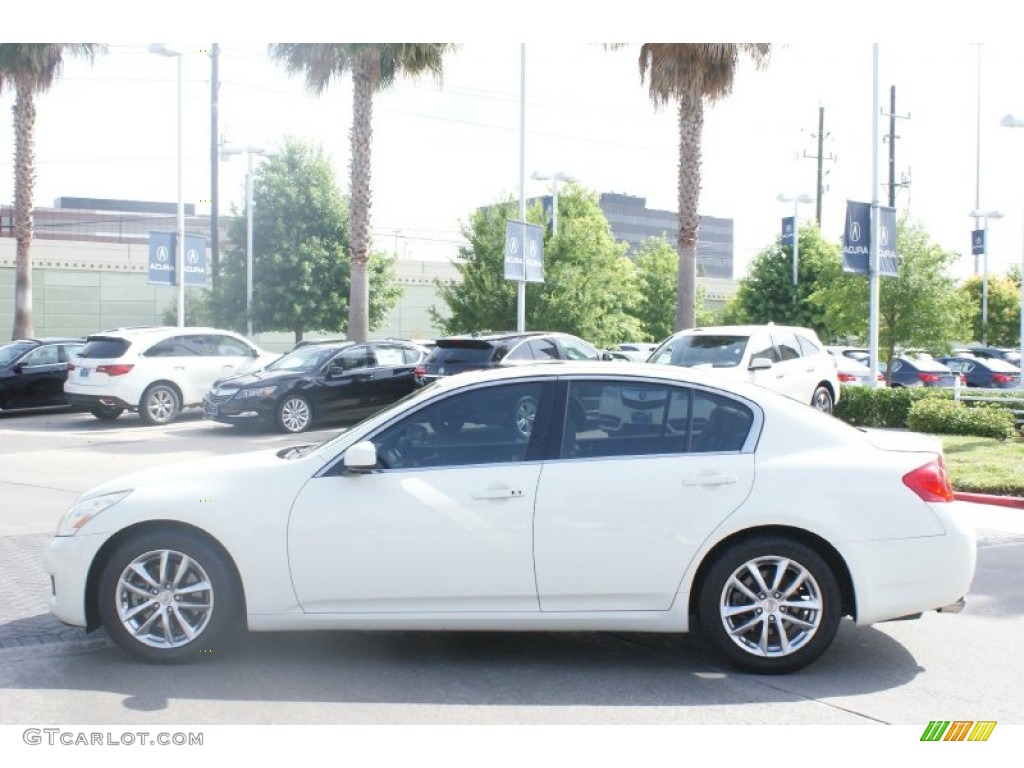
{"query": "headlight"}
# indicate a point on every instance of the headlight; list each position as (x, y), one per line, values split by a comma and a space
(257, 392)
(84, 511)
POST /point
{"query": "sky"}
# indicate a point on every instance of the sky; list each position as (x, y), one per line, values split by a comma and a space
(108, 129)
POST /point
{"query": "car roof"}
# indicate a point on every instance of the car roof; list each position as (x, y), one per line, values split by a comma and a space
(47, 340)
(158, 330)
(745, 329)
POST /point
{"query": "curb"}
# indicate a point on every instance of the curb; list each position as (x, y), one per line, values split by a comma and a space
(984, 498)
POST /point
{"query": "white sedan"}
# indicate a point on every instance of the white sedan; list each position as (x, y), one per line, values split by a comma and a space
(638, 498)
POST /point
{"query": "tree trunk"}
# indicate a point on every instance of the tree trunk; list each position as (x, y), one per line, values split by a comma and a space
(691, 125)
(363, 84)
(24, 192)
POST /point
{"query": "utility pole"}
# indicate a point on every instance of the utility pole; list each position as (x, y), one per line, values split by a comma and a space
(821, 158)
(891, 138)
(214, 165)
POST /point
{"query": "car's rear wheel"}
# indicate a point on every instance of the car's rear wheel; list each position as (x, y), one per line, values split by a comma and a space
(160, 404)
(106, 412)
(822, 399)
(167, 596)
(770, 605)
(294, 414)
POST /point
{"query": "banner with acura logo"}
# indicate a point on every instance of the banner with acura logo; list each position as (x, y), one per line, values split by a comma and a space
(787, 230)
(163, 260)
(857, 240)
(978, 242)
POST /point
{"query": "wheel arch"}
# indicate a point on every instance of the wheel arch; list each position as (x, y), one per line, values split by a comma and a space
(170, 383)
(823, 548)
(92, 612)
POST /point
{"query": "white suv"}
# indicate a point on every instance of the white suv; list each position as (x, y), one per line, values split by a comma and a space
(788, 359)
(156, 371)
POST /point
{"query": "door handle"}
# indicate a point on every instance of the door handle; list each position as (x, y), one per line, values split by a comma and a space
(226, 367)
(711, 480)
(498, 493)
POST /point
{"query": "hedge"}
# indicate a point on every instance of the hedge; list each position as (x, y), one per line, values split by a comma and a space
(945, 417)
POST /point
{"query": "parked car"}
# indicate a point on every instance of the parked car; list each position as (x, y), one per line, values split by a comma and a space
(765, 519)
(920, 371)
(156, 371)
(1011, 356)
(476, 351)
(992, 373)
(787, 359)
(318, 382)
(636, 351)
(850, 371)
(857, 354)
(33, 371)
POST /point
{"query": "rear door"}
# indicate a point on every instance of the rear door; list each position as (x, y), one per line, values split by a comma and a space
(38, 379)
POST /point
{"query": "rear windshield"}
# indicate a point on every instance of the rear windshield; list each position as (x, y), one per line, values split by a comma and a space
(452, 355)
(104, 348)
(718, 350)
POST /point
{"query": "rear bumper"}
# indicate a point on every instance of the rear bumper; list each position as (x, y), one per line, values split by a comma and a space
(89, 402)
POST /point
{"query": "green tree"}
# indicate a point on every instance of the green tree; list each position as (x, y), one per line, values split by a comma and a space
(300, 267)
(374, 67)
(588, 287)
(31, 68)
(920, 308)
(1003, 309)
(688, 74)
(767, 293)
(657, 269)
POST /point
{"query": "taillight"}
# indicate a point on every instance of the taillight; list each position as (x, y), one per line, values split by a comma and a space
(847, 377)
(1001, 378)
(930, 482)
(114, 370)
(928, 378)
(419, 371)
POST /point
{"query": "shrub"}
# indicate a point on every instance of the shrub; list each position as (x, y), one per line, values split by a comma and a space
(885, 407)
(945, 417)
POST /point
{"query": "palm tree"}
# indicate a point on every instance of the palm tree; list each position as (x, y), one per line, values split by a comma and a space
(374, 67)
(32, 68)
(689, 74)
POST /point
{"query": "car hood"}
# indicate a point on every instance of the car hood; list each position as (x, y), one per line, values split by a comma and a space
(265, 377)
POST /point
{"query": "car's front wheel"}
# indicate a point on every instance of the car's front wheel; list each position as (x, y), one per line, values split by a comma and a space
(167, 596)
(770, 605)
(160, 404)
(822, 399)
(294, 414)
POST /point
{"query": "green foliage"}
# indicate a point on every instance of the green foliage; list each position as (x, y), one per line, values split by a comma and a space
(198, 309)
(946, 417)
(300, 263)
(767, 294)
(657, 269)
(589, 284)
(1003, 309)
(883, 407)
(985, 464)
(921, 308)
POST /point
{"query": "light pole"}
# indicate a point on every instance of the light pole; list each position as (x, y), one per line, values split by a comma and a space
(985, 216)
(795, 200)
(179, 250)
(554, 178)
(1013, 122)
(226, 151)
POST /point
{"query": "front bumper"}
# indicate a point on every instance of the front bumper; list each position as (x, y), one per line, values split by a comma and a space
(68, 559)
(233, 411)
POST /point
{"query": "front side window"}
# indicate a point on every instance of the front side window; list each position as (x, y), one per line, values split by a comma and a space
(575, 350)
(228, 346)
(48, 355)
(488, 425)
(788, 346)
(761, 348)
(353, 358)
(544, 349)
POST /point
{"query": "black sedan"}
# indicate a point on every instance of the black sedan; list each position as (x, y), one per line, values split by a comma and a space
(920, 371)
(33, 371)
(991, 373)
(318, 382)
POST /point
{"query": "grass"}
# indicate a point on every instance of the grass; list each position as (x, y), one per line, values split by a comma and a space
(985, 464)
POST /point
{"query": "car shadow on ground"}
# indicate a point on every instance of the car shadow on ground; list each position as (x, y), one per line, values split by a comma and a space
(471, 669)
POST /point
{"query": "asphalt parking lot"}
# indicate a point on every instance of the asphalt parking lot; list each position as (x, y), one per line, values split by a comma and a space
(946, 666)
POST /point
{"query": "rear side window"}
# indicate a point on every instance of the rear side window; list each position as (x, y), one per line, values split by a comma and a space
(104, 348)
(459, 354)
(807, 347)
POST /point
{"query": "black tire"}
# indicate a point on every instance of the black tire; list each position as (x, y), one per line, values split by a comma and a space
(160, 404)
(822, 399)
(293, 415)
(523, 416)
(106, 412)
(807, 619)
(180, 619)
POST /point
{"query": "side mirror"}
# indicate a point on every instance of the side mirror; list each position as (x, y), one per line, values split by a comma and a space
(361, 457)
(334, 371)
(760, 364)
(607, 356)
(19, 368)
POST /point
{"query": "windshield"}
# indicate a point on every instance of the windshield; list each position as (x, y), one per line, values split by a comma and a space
(11, 352)
(303, 360)
(716, 350)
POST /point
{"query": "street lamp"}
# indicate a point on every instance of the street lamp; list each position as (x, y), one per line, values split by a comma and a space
(161, 49)
(985, 216)
(226, 151)
(554, 178)
(1013, 122)
(795, 200)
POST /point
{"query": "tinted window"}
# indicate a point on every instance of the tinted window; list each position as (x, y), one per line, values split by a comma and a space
(544, 349)
(11, 352)
(762, 348)
(182, 346)
(107, 348)
(788, 346)
(68, 351)
(231, 347)
(807, 347)
(461, 354)
(354, 357)
(521, 352)
(575, 350)
(720, 424)
(48, 355)
(475, 427)
(715, 350)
